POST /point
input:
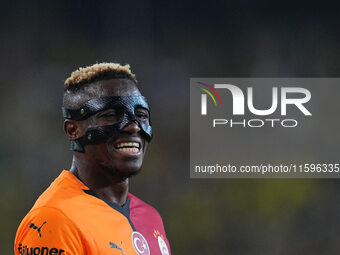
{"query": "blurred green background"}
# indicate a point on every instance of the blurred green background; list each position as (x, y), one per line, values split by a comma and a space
(166, 43)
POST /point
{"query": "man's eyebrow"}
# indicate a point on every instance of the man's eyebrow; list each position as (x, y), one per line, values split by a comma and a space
(106, 111)
(141, 108)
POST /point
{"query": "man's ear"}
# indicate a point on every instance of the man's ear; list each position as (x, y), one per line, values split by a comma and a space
(73, 129)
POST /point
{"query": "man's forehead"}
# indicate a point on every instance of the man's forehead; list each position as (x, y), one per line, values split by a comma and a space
(114, 87)
(105, 88)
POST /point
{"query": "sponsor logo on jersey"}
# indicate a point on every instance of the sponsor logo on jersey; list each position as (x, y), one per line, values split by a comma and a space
(115, 246)
(162, 244)
(24, 250)
(140, 244)
(32, 225)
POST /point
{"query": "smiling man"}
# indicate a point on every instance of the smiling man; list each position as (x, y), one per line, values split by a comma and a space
(88, 209)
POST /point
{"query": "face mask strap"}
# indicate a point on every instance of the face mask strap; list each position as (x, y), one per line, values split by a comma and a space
(76, 146)
(95, 105)
(103, 133)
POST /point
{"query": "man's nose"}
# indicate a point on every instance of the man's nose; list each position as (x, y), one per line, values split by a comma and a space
(132, 127)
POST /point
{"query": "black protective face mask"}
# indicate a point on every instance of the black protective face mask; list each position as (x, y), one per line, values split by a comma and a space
(124, 106)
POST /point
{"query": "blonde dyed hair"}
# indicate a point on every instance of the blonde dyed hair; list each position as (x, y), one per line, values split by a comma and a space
(97, 72)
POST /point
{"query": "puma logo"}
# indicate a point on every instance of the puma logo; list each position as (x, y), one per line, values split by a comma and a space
(115, 246)
(35, 227)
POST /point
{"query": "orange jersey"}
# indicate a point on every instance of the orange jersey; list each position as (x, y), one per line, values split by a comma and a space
(68, 218)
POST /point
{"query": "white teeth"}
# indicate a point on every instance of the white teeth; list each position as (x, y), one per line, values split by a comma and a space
(132, 147)
(129, 149)
(128, 144)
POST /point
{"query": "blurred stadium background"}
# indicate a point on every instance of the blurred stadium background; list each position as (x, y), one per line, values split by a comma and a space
(166, 43)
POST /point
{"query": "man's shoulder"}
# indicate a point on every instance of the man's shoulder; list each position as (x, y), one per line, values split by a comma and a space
(53, 212)
(139, 207)
(136, 202)
(49, 229)
(148, 222)
(62, 193)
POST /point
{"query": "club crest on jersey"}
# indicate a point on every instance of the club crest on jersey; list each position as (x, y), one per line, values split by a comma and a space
(162, 244)
(140, 244)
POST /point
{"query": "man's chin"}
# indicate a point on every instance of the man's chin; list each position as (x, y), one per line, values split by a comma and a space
(123, 174)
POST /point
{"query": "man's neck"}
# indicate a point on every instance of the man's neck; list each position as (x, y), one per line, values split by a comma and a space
(107, 187)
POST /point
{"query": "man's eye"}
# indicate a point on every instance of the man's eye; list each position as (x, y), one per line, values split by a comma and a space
(109, 115)
(142, 115)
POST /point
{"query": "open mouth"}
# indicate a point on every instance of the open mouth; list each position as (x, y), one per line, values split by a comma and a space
(131, 147)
